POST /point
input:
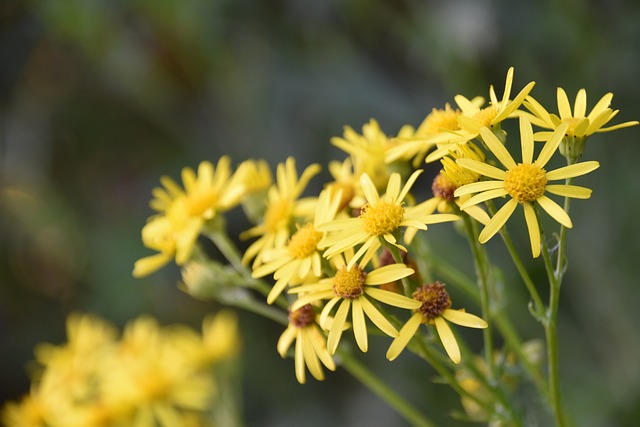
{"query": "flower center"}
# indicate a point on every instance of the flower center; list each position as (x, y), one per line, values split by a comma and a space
(304, 242)
(525, 182)
(485, 116)
(349, 283)
(573, 122)
(302, 317)
(382, 218)
(435, 300)
(440, 119)
(277, 215)
(443, 188)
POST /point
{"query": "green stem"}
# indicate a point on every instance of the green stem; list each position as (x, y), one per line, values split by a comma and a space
(551, 333)
(482, 273)
(377, 386)
(397, 257)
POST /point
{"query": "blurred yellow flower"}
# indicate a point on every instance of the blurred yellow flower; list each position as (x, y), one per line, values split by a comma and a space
(283, 207)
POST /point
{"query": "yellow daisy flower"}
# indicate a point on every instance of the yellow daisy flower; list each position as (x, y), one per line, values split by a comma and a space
(435, 310)
(379, 219)
(367, 150)
(310, 347)
(32, 411)
(473, 118)
(299, 258)
(432, 130)
(256, 177)
(351, 289)
(580, 125)
(344, 180)
(283, 207)
(183, 212)
(526, 183)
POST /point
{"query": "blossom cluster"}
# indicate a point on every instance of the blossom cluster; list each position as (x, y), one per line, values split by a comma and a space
(342, 260)
(150, 376)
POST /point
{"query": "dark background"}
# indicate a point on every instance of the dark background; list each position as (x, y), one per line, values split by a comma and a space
(99, 98)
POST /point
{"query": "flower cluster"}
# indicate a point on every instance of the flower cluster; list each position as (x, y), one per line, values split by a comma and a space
(343, 259)
(150, 376)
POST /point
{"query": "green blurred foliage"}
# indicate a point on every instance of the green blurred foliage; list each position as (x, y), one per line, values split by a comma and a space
(99, 98)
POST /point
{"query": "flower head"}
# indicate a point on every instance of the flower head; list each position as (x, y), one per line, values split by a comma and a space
(300, 257)
(525, 183)
(183, 212)
(379, 219)
(351, 289)
(434, 310)
(473, 118)
(283, 207)
(310, 347)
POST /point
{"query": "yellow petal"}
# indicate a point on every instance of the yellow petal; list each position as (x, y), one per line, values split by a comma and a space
(408, 185)
(387, 274)
(404, 336)
(359, 325)
(462, 318)
(574, 191)
(533, 228)
(556, 212)
(600, 106)
(448, 339)
(285, 340)
(392, 298)
(551, 145)
(393, 187)
(564, 108)
(477, 187)
(299, 364)
(580, 106)
(318, 342)
(482, 168)
(497, 221)
(147, 265)
(497, 148)
(368, 188)
(338, 326)
(573, 171)
(310, 357)
(378, 318)
(487, 195)
(526, 138)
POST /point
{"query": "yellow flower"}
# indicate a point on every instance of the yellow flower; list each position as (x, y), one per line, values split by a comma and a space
(434, 310)
(432, 130)
(473, 118)
(351, 289)
(579, 124)
(310, 347)
(379, 219)
(299, 258)
(367, 150)
(183, 212)
(283, 207)
(344, 180)
(255, 176)
(525, 183)
(31, 411)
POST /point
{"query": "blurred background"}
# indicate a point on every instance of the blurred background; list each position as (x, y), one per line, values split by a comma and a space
(99, 98)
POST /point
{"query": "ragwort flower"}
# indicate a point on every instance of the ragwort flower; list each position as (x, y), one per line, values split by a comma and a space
(525, 183)
(379, 219)
(351, 289)
(435, 310)
(310, 347)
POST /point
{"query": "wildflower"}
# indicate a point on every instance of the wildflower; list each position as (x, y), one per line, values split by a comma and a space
(435, 310)
(351, 289)
(292, 263)
(379, 219)
(255, 175)
(432, 130)
(31, 411)
(183, 212)
(367, 151)
(310, 347)
(282, 207)
(580, 126)
(525, 183)
(473, 118)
